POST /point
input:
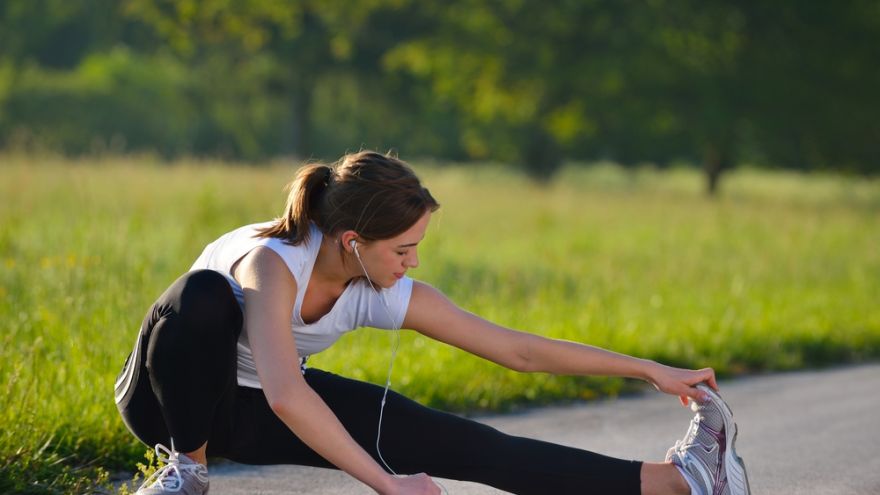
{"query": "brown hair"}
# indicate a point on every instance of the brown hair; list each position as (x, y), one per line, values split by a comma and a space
(378, 196)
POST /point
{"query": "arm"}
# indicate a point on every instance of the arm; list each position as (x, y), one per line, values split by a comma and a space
(270, 291)
(434, 315)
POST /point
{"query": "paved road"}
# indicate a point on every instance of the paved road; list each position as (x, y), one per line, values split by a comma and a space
(800, 433)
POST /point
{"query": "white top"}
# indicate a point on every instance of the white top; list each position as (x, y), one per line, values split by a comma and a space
(359, 305)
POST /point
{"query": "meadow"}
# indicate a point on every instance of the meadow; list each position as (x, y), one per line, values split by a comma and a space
(782, 271)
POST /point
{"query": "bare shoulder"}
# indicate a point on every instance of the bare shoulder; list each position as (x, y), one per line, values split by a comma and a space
(263, 267)
(427, 305)
(426, 294)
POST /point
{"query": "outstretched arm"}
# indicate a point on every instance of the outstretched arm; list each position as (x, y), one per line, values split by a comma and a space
(432, 314)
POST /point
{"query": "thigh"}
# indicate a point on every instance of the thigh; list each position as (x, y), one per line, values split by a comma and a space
(259, 436)
(414, 438)
(254, 434)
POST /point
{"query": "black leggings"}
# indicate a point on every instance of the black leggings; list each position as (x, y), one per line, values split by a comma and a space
(180, 383)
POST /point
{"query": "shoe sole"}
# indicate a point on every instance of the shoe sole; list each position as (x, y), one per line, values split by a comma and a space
(737, 480)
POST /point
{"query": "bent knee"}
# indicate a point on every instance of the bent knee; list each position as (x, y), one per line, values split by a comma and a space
(207, 295)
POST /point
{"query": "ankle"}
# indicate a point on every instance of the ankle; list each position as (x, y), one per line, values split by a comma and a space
(663, 479)
(199, 455)
(679, 484)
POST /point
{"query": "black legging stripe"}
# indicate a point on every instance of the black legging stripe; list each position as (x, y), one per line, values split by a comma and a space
(183, 387)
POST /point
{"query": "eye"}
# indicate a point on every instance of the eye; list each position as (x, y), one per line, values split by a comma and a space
(401, 253)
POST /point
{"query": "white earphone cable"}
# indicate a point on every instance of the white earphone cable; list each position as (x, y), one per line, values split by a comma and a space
(395, 327)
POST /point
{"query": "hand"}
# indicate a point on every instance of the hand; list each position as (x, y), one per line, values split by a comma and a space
(680, 382)
(416, 484)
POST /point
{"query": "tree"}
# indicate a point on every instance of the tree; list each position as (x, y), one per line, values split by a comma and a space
(717, 83)
(786, 83)
(813, 73)
(306, 42)
(517, 72)
(58, 34)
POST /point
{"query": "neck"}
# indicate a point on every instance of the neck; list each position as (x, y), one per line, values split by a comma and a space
(331, 267)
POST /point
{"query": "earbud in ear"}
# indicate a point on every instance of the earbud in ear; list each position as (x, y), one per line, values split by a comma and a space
(353, 243)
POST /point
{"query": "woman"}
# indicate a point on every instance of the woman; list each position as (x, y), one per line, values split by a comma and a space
(219, 366)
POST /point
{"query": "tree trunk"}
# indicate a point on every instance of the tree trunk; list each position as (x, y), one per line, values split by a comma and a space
(716, 162)
(541, 155)
(297, 138)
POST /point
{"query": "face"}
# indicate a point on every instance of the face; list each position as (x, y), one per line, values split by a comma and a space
(387, 260)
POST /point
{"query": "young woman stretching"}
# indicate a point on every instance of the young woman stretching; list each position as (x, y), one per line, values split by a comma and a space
(219, 364)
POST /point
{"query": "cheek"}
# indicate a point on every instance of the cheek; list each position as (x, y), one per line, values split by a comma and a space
(387, 261)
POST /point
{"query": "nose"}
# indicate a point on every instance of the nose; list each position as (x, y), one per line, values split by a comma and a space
(412, 261)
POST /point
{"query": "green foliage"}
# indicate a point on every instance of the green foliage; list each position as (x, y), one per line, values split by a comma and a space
(79, 110)
(144, 471)
(715, 83)
(58, 33)
(780, 273)
(123, 101)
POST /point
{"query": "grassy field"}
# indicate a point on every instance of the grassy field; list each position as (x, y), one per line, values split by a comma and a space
(781, 272)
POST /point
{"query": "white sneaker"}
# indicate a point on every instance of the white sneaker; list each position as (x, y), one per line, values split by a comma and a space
(707, 451)
(180, 474)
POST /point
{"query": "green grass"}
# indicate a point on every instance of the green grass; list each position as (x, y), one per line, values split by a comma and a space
(781, 272)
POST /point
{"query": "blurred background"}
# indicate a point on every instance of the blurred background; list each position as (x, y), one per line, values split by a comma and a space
(692, 182)
(712, 84)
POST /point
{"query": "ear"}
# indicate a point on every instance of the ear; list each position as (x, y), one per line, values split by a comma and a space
(347, 238)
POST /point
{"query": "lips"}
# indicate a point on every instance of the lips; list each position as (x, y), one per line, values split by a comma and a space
(398, 275)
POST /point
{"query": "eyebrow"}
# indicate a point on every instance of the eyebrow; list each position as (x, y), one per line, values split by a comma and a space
(408, 245)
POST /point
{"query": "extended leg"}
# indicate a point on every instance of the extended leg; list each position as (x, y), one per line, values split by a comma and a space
(419, 439)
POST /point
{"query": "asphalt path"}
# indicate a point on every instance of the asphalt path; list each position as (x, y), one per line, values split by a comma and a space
(812, 432)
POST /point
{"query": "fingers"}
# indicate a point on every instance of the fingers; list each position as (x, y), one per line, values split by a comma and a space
(707, 376)
(690, 393)
(429, 484)
(686, 394)
(711, 380)
(420, 484)
(697, 395)
(684, 384)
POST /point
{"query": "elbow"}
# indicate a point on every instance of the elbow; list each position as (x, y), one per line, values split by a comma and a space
(282, 401)
(522, 364)
(524, 358)
(519, 365)
(521, 361)
(281, 406)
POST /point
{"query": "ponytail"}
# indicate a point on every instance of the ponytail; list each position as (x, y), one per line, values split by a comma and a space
(303, 204)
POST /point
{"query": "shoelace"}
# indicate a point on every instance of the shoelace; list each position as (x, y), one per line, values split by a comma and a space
(688, 440)
(169, 476)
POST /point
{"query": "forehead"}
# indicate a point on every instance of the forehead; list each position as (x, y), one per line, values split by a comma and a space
(414, 234)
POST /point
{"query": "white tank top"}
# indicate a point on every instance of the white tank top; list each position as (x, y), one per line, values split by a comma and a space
(358, 306)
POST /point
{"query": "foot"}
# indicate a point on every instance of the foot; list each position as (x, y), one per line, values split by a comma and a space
(180, 475)
(707, 452)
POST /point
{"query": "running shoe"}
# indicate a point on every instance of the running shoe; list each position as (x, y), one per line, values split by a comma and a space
(180, 475)
(707, 452)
